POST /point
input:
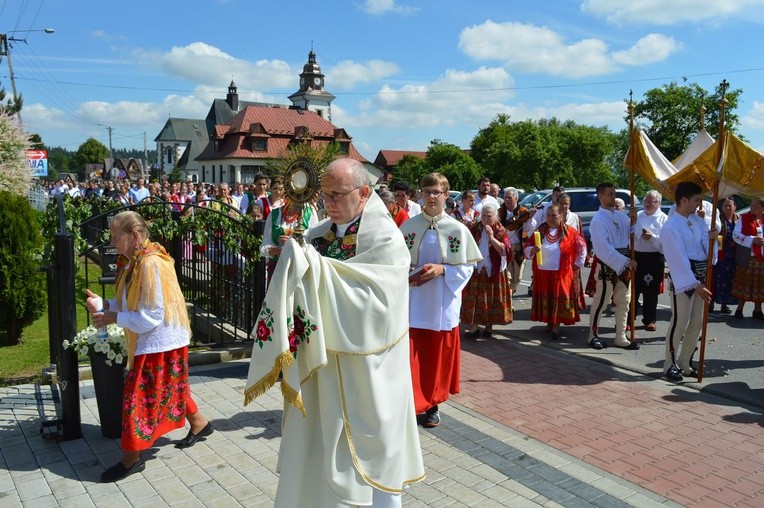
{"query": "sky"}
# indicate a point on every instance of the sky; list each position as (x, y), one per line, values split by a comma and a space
(404, 72)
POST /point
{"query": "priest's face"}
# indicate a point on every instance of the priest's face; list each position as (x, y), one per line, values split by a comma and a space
(434, 199)
(344, 199)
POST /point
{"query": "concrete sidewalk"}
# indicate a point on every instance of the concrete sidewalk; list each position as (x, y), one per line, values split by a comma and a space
(475, 458)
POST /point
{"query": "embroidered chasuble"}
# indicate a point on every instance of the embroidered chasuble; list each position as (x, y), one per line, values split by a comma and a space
(337, 329)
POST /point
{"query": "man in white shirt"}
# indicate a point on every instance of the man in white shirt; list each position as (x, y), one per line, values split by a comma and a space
(685, 241)
(609, 231)
(139, 192)
(647, 254)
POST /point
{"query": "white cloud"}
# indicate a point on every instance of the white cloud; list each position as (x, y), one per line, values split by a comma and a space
(755, 117)
(107, 36)
(458, 97)
(666, 12)
(650, 48)
(347, 74)
(377, 7)
(207, 65)
(529, 48)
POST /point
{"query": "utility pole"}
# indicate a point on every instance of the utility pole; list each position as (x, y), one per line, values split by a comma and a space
(6, 53)
(111, 152)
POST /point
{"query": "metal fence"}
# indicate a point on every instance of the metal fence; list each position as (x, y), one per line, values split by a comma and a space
(38, 197)
(223, 289)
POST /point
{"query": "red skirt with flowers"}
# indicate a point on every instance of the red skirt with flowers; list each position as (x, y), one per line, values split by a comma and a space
(486, 300)
(556, 296)
(156, 399)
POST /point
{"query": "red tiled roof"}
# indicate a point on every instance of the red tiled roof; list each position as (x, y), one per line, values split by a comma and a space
(391, 158)
(278, 125)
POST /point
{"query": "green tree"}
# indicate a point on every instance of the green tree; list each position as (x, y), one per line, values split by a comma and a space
(91, 151)
(454, 163)
(12, 105)
(670, 115)
(36, 142)
(410, 169)
(22, 286)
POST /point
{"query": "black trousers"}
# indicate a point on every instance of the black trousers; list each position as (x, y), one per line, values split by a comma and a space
(650, 267)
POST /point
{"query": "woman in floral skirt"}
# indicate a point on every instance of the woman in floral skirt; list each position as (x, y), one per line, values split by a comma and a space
(152, 311)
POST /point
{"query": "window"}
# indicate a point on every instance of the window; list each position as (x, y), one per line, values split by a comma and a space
(259, 144)
(169, 155)
(345, 147)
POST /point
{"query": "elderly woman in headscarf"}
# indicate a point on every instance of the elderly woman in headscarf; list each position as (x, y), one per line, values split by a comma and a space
(488, 297)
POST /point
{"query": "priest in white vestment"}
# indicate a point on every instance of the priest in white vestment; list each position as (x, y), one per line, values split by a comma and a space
(335, 323)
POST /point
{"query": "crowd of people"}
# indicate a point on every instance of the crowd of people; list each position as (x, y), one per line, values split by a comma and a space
(389, 282)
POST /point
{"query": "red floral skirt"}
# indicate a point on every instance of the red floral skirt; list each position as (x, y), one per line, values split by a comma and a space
(749, 281)
(435, 359)
(487, 301)
(156, 399)
(556, 299)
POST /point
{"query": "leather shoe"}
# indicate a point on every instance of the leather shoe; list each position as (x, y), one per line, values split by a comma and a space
(633, 346)
(725, 310)
(650, 327)
(472, 335)
(119, 471)
(739, 314)
(691, 373)
(596, 343)
(673, 374)
(191, 438)
(431, 418)
(757, 314)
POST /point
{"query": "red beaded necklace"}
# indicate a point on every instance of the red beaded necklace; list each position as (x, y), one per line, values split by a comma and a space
(550, 237)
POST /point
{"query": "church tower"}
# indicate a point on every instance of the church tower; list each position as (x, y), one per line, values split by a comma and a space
(311, 96)
(233, 97)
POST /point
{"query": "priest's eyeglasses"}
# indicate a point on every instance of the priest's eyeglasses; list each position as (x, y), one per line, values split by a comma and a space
(333, 197)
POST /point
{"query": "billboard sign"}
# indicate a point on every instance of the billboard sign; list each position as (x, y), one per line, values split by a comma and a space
(38, 162)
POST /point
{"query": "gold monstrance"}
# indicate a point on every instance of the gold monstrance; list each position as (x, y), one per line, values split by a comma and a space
(302, 181)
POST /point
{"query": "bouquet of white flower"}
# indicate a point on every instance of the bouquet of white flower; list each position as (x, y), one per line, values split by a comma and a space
(113, 346)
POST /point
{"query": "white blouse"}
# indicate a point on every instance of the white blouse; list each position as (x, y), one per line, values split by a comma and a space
(435, 304)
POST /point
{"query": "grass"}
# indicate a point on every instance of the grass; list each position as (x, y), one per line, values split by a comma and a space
(24, 362)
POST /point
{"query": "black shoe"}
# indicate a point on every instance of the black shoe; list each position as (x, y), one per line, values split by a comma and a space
(431, 418)
(757, 314)
(725, 310)
(472, 335)
(530, 291)
(487, 333)
(673, 374)
(691, 373)
(633, 346)
(421, 418)
(191, 438)
(596, 343)
(554, 335)
(119, 471)
(739, 314)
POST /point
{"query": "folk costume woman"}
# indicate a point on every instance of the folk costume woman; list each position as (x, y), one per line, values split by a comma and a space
(724, 270)
(749, 276)
(488, 296)
(465, 212)
(556, 281)
(152, 311)
(443, 254)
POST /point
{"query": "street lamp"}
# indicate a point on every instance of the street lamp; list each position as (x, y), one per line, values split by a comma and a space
(5, 51)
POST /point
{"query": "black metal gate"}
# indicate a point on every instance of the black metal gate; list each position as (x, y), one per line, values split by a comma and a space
(222, 277)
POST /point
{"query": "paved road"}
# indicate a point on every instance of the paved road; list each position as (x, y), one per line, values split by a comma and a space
(734, 366)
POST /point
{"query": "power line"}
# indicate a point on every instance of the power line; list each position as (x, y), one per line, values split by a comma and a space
(419, 92)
